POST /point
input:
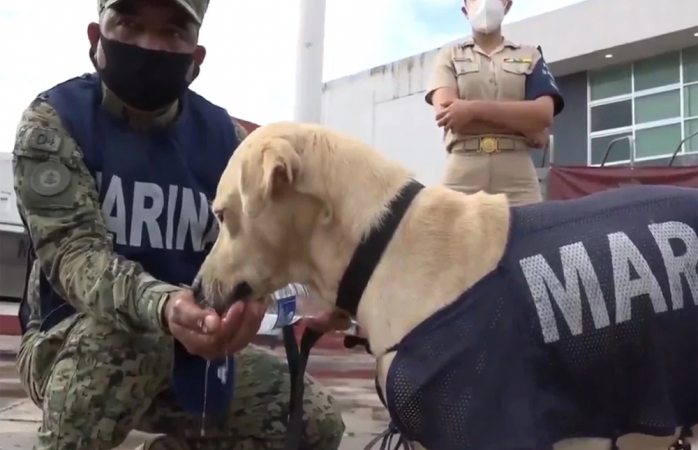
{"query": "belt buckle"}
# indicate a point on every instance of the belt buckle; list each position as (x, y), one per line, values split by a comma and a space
(488, 145)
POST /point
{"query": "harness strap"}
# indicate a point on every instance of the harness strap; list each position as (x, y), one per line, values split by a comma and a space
(351, 288)
(369, 252)
(297, 362)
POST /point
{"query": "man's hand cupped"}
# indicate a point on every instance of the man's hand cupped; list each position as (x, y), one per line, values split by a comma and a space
(204, 332)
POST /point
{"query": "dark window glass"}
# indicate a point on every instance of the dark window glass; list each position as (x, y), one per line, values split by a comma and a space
(611, 115)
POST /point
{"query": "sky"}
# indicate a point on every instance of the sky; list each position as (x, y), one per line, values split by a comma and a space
(250, 63)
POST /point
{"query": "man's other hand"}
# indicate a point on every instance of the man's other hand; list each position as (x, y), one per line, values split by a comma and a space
(203, 332)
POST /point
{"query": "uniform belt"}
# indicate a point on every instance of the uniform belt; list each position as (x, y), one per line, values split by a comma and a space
(489, 144)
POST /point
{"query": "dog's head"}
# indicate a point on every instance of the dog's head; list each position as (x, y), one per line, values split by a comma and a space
(292, 204)
(267, 213)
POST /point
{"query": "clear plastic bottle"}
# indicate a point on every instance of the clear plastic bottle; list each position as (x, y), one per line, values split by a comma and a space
(284, 310)
(291, 304)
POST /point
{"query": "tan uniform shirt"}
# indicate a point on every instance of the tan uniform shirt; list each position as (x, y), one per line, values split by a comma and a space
(475, 75)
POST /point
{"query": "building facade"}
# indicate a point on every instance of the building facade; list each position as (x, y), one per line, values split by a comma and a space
(628, 70)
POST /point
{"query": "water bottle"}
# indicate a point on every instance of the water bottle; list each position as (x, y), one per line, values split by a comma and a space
(291, 304)
(284, 309)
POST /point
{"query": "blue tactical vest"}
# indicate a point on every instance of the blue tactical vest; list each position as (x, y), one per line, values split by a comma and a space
(588, 327)
(154, 187)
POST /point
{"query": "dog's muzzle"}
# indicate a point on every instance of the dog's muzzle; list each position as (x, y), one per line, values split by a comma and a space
(241, 292)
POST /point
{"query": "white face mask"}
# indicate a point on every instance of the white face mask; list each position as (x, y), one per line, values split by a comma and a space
(487, 16)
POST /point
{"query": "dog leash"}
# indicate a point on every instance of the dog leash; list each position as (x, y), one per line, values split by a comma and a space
(351, 288)
(297, 362)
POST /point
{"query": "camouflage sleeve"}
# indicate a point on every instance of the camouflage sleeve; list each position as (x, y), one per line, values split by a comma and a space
(57, 197)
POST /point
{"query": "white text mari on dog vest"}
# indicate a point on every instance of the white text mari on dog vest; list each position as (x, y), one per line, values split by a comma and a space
(634, 278)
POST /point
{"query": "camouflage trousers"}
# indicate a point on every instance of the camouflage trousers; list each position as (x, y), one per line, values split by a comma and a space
(95, 384)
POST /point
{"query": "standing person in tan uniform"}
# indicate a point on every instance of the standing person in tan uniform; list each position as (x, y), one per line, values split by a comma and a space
(495, 99)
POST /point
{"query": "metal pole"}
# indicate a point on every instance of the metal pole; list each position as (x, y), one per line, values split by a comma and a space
(309, 62)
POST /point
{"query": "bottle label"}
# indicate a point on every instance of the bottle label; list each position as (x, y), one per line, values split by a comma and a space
(285, 311)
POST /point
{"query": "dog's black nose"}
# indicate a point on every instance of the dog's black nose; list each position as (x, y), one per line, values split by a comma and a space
(241, 291)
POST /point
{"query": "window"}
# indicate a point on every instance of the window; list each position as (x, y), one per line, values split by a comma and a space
(657, 140)
(620, 150)
(611, 115)
(612, 82)
(690, 100)
(658, 71)
(653, 107)
(690, 65)
(691, 127)
(654, 101)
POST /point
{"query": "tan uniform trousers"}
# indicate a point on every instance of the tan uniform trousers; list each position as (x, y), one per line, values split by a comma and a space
(508, 172)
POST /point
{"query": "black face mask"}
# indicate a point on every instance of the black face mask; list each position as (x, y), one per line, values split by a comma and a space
(144, 79)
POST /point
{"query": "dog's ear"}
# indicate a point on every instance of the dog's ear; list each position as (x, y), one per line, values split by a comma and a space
(268, 175)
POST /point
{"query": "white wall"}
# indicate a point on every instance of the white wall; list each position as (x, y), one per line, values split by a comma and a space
(386, 109)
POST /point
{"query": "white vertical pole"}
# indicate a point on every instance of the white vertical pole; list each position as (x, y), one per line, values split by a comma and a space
(309, 61)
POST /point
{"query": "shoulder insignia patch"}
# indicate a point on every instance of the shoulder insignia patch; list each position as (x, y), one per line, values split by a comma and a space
(45, 139)
(49, 178)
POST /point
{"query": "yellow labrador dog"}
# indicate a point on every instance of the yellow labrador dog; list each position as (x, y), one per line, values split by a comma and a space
(566, 325)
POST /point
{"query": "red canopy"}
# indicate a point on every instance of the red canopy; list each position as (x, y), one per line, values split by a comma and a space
(567, 182)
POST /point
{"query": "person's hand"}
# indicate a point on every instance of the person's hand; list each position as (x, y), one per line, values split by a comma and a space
(455, 114)
(203, 332)
(335, 319)
(540, 139)
(241, 324)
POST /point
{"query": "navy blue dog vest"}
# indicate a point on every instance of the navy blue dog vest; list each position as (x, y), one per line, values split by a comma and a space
(588, 327)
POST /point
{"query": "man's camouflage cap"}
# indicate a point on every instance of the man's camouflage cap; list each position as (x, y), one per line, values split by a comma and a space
(195, 8)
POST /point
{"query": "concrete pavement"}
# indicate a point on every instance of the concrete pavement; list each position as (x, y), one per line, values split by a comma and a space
(345, 373)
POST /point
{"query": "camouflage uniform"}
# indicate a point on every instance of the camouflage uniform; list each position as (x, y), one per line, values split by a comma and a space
(105, 371)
